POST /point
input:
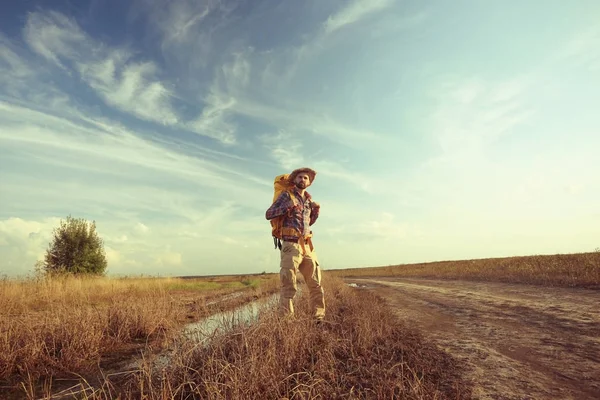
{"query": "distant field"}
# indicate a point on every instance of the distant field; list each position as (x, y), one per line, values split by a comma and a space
(566, 270)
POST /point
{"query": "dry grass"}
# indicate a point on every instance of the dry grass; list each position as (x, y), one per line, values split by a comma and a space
(363, 351)
(23, 296)
(65, 328)
(61, 327)
(567, 270)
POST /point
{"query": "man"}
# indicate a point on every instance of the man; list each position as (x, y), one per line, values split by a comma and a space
(296, 250)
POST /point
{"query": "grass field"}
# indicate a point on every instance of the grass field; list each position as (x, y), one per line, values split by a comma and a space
(61, 326)
(363, 351)
(59, 332)
(566, 270)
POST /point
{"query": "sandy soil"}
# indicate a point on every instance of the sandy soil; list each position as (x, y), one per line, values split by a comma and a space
(519, 341)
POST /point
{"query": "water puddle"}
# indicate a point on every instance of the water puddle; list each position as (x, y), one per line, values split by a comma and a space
(356, 285)
(222, 322)
(203, 331)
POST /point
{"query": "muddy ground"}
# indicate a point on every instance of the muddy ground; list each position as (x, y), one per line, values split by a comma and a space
(519, 341)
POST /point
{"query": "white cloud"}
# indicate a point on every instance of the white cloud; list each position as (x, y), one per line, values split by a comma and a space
(11, 64)
(354, 12)
(23, 243)
(213, 122)
(168, 259)
(133, 87)
(116, 240)
(507, 91)
(181, 18)
(474, 113)
(188, 32)
(299, 119)
(230, 80)
(55, 36)
(236, 74)
(137, 91)
(467, 92)
(104, 141)
(390, 23)
(289, 152)
(177, 20)
(141, 228)
(249, 83)
(284, 148)
(287, 155)
(112, 255)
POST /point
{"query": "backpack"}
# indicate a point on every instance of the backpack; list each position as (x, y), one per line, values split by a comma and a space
(281, 184)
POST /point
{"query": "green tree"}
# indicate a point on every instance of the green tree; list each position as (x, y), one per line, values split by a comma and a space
(76, 248)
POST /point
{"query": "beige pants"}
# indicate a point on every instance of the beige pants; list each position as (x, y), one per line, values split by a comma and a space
(292, 261)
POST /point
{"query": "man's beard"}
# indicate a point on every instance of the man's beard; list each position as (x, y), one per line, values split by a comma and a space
(300, 185)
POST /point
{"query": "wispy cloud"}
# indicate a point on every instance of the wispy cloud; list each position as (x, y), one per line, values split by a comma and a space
(290, 153)
(472, 113)
(188, 33)
(354, 12)
(182, 16)
(584, 49)
(284, 148)
(136, 91)
(11, 64)
(304, 119)
(255, 84)
(55, 36)
(385, 227)
(130, 86)
(221, 98)
(108, 148)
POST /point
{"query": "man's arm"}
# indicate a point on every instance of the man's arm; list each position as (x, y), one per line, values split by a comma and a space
(280, 206)
(314, 212)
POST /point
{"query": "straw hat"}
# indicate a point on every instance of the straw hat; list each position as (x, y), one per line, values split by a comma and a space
(311, 173)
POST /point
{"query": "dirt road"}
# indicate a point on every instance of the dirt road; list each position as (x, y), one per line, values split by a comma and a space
(520, 342)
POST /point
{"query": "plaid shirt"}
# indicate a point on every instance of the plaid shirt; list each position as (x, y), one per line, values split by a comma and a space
(299, 218)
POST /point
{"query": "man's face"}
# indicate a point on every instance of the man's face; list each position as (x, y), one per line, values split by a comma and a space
(302, 180)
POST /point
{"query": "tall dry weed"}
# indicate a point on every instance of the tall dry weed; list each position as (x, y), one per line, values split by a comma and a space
(71, 340)
(63, 326)
(362, 351)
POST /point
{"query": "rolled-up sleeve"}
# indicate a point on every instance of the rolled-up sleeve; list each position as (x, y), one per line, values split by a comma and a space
(280, 206)
(314, 214)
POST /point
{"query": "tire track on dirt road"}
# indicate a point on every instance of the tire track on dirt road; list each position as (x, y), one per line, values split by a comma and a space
(519, 341)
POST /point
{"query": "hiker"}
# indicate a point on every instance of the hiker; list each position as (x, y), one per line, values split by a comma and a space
(297, 212)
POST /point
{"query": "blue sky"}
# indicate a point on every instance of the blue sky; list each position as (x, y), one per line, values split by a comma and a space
(439, 130)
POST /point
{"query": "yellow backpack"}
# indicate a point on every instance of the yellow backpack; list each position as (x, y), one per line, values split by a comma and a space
(281, 184)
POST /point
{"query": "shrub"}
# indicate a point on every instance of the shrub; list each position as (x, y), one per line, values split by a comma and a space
(76, 248)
